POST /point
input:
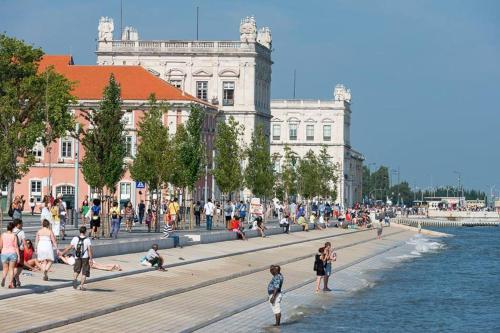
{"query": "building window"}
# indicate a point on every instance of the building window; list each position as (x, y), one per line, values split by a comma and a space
(202, 90)
(276, 132)
(65, 190)
(176, 83)
(293, 131)
(37, 150)
(66, 148)
(129, 146)
(36, 190)
(228, 93)
(310, 132)
(125, 190)
(128, 119)
(327, 132)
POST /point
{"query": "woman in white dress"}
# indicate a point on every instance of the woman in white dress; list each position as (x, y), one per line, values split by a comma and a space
(45, 214)
(45, 245)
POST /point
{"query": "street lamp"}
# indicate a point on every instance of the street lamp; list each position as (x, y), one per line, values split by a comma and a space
(459, 187)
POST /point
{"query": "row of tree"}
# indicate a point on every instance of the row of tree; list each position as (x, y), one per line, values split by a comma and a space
(377, 186)
(34, 107)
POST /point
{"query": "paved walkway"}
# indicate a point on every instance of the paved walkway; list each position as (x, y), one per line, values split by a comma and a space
(208, 281)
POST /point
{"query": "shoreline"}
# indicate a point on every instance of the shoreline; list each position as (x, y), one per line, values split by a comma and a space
(198, 291)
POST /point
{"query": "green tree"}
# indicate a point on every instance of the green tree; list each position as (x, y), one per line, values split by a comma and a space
(104, 141)
(288, 176)
(227, 171)
(33, 107)
(259, 174)
(192, 153)
(309, 177)
(328, 175)
(380, 183)
(153, 161)
(367, 187)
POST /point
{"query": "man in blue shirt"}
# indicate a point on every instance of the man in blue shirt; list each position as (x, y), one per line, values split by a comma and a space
(274, 292)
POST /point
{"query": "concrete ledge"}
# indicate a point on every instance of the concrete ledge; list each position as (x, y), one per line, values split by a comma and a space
(422, 231)
(118, 247)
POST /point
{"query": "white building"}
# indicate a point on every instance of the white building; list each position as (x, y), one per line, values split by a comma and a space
(306, 125)
(233, 75)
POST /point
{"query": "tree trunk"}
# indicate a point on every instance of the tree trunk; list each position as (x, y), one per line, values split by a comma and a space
(10, 194)
(191, 213)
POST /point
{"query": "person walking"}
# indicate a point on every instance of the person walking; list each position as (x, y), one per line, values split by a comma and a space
(228, 211)
(129, 216)
(330, 256)
(45, 245)
(83, 256)
(32, 206)
(209, 209)
(141, 208)
(197, 213)
(62, 216)
(319, 267)
(115, 216)
(173, 211)
(242, 211)
(21, 244)
(85, 210)
(45, 213)
(10, 255)
(56, 221)
(274, 291)
(95, 218)
(149, 219)
(380, 227)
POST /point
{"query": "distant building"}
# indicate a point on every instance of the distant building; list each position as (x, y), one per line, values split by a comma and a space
(437, 203)
(475, 204)
(233, 75)
(136, 86)
(305, 125)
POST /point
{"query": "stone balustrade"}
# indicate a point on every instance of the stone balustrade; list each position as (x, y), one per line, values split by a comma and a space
(181, 46)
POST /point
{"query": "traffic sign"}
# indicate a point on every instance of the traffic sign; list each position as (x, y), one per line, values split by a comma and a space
(140, 185)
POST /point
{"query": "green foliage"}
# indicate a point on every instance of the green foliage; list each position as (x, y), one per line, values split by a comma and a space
(379, 181)
(288, 176)
(153, 161)
(227, 171)
(328, 174)
(192, 152)
(178, 174)
(308, 173)
(259, 175)
(104, 141)
(367, 186)
(33, 106)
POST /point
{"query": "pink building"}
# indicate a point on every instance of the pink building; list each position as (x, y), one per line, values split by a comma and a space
(54, 171)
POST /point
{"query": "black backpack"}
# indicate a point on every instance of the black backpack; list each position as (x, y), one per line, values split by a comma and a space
(79, 251)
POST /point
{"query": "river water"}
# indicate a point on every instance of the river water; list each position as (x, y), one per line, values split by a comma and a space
(445, 285)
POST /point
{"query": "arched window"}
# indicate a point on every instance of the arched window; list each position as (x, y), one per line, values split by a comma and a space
(65, 190)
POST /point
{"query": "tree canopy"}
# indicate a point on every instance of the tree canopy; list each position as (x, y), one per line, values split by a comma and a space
(33, 107)
(259, 174)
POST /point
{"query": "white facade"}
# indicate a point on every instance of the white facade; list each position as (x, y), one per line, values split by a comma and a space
(233, 75)
(305, 125)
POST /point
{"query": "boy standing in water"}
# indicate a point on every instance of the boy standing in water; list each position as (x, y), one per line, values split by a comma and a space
(274, 292)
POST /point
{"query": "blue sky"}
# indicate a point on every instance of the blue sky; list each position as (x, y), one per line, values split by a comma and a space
(425, 75)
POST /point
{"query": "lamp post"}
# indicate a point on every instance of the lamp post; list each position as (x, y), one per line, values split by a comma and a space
(459, 187)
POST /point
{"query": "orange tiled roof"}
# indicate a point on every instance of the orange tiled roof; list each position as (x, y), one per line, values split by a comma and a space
(136, 83)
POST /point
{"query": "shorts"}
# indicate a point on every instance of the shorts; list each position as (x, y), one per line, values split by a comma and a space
(228, 218)
(95, 223)
(379, 231)
(277, 303)
(9, 257)
(155, 261)
(82, 265)
(328, 269)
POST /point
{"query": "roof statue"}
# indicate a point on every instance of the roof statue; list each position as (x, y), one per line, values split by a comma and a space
(130, 33)
(106, 28)
(264, 37)
(248, 30)
(341, 93)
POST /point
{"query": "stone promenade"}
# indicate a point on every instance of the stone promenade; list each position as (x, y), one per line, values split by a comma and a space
(204, 285)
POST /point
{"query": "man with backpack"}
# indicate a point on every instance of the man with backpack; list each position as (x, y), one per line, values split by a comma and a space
(242, 211)
(83, 256)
